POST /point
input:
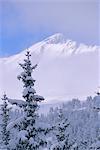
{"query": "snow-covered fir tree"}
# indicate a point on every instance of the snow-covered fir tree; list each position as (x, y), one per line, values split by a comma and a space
(96, 143)
(30, 135)
(5, 120)
(62, 137)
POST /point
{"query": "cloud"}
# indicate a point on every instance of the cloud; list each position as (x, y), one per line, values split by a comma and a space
(76, 19)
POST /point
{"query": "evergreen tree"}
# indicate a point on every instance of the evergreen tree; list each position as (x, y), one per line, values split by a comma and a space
(30, 136)
(62, 137)
(96, 144)
(5, 120)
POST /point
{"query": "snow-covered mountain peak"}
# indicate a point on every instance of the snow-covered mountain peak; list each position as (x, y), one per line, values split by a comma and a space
(55, 39)
(58, 44)
(66, 69)
(55, 45)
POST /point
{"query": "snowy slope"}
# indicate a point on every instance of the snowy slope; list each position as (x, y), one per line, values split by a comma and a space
(65, 69)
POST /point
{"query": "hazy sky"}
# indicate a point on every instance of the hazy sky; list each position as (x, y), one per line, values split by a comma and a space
(24, 22)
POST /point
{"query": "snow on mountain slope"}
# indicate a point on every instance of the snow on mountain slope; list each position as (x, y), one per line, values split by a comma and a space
(65, 69)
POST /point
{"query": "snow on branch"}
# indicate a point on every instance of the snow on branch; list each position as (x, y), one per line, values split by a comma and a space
(15, 123)
(17, 102)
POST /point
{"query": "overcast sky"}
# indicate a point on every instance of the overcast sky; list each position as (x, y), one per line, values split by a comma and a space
(24, 22)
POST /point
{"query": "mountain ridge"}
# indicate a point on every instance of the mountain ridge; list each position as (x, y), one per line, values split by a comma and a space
(60, 41)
